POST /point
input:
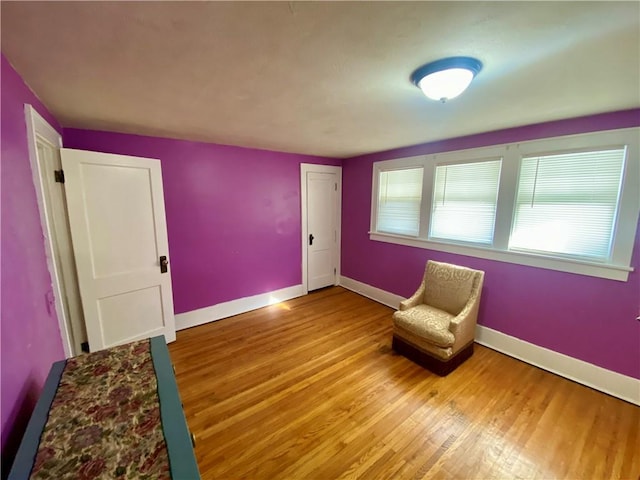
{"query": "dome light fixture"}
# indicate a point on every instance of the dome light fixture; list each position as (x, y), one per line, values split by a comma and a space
(446, 78)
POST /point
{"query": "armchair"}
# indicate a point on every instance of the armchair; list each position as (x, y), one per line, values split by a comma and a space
(435, 327)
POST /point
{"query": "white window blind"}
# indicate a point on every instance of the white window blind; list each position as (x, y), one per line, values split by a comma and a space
(567, 203)
(399, 197)
(464, 201)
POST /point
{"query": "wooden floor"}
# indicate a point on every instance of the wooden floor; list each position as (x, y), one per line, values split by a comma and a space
(310, 389)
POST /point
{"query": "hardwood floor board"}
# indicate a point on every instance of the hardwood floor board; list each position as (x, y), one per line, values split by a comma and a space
(318, 422)
(582, 408)
(609, 418)
(310, 389)
(353, 441)
(630, 461)
(390, 418)
(378, 468)
(416, 439)
(303, 426)
(522, 433)
(299, 359)
(495, 416)
(541, 439)
(551, 441)
(511, 454)
(297, 382)
(286, 354)
(365, 459)
(460, 438)
(481, 448)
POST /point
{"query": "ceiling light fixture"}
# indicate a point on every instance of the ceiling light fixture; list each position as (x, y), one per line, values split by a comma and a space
(446, 78)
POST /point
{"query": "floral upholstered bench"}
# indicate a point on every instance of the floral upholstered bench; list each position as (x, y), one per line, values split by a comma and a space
(114, 413)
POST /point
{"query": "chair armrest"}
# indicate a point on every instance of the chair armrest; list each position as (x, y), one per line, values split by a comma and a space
(415, 299)
(463, 326)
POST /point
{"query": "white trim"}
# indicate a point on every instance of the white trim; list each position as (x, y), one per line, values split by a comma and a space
(389, 166)
(617, 267)
(613, 383)
(37, 126)
(592, 269)
(304, 169)
(235, 307)
(389, 299)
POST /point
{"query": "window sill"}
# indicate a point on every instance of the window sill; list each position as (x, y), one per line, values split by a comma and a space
(580, 267)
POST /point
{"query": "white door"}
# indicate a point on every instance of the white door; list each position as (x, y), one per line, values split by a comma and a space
(119, 233)
(322, 229)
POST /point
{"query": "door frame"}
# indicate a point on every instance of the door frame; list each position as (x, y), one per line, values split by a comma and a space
(313, 168)
(37, 126)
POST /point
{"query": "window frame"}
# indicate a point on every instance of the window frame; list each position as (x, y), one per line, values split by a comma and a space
(615, 217)
(617, 267)
(387, 166)
(447, 162)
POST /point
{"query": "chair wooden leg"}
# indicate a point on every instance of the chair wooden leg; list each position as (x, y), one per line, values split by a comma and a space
(428, 361)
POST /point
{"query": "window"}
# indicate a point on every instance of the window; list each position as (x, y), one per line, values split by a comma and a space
(464, 203)
(399, 198)
(567, 203)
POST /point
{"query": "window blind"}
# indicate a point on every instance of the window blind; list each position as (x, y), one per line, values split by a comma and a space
(464, 201)
(399, 197)
(567, 203)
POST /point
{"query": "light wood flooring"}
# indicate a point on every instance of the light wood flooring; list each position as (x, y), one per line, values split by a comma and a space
(310, 389)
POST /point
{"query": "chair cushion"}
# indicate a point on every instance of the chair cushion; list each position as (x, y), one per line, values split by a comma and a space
(448, 287)
(429, 323)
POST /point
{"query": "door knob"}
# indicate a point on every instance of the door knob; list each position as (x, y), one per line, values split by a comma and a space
(163, 264)
(311, 239)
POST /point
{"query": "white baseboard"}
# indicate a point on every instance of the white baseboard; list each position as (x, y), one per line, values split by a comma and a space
(235, 307)
(380, 296)
(598, 378)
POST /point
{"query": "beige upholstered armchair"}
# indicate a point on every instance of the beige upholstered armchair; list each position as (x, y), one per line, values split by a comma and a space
(436, 326)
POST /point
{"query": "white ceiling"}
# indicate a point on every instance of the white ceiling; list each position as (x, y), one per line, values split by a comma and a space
(323, 78)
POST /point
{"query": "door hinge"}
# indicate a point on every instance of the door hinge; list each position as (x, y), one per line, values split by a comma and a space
(334, 272)
(336, 186)
(59, 176)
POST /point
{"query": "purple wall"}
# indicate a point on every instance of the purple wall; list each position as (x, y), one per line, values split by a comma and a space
(233, 214)
(30, 336)
(588, 318)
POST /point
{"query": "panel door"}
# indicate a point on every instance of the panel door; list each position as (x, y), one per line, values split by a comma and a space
(119, 234)
(322, 229)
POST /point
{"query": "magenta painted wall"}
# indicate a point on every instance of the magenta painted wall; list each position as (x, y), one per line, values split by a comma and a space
(30, 336)
(587, 318)
(233, 214)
